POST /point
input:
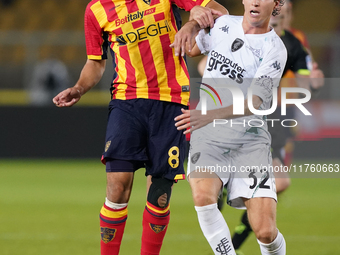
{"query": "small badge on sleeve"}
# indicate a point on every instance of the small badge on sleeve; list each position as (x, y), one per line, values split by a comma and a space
(186, 88)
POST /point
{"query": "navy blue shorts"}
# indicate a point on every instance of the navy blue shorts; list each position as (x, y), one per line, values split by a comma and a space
(143, 132)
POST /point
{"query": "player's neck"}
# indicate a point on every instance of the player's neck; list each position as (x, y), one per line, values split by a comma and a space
(249, 28)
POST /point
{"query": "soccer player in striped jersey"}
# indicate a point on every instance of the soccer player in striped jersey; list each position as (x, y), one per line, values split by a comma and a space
(150, 87)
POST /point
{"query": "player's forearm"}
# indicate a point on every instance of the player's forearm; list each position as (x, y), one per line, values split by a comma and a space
(184, 39)
(205, 16)
(90, 75)
(218, 7)
(192, 49)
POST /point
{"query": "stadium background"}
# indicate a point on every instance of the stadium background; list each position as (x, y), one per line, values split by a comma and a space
(51, 181)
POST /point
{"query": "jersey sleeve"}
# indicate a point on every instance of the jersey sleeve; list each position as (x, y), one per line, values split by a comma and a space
(96, 39)
(269, 74)
(187, 5)
(204, 41)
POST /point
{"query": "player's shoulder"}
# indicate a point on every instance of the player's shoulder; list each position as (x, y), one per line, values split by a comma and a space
(276, 41)
(229, 18)
(274, 45)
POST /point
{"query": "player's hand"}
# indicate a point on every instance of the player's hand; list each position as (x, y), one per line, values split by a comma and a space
(184, 38)
(204, 16)
(317, 77)
(67, 98)
(191, 120)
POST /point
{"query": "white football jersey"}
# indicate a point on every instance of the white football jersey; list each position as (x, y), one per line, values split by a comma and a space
(236, 62)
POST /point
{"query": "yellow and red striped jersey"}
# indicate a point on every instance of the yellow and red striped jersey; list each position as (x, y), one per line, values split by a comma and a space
(139, 33)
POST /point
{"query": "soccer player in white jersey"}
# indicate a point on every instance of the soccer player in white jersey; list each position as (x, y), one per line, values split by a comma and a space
(243, 52)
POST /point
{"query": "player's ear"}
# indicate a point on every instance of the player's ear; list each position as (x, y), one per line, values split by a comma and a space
(276, 6)
(277, 3)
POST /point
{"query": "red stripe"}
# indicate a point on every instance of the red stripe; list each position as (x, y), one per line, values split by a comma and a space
(131, 6)
(187, 5)
(170, 68)
(116, 219)
(153, 2)
(130, 92)
(150, 69)
(118, 31)
(138, 24)
(93, 34)
(110, 10)
(159, 16)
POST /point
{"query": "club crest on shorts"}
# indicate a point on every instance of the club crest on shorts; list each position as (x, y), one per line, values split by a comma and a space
(157, 228)
(107, 145)
(195, 157)
(237, 44)
(108, 234)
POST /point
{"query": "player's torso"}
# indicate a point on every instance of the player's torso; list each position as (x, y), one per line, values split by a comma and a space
(236, 56)
(234, 61)
(139, 33)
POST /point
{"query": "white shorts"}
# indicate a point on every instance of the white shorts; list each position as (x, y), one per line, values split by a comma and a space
(239, 167)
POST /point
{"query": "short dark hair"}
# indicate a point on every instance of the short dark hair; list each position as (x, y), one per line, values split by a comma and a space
(277, 10)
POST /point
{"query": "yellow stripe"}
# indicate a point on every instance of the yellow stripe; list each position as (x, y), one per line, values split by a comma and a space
(99, 11)
(205, 2)
(94, 57)
(111, 214)
(303, 72)
(159, 211)
(179, 177)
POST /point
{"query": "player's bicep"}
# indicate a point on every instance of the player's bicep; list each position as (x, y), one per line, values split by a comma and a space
(203, 41)
(268, 76)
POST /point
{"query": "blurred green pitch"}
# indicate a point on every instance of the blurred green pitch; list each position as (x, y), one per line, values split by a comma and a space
(51, 207)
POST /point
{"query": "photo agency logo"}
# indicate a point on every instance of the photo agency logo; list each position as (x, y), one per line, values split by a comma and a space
(239, 103)
(204, 99)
